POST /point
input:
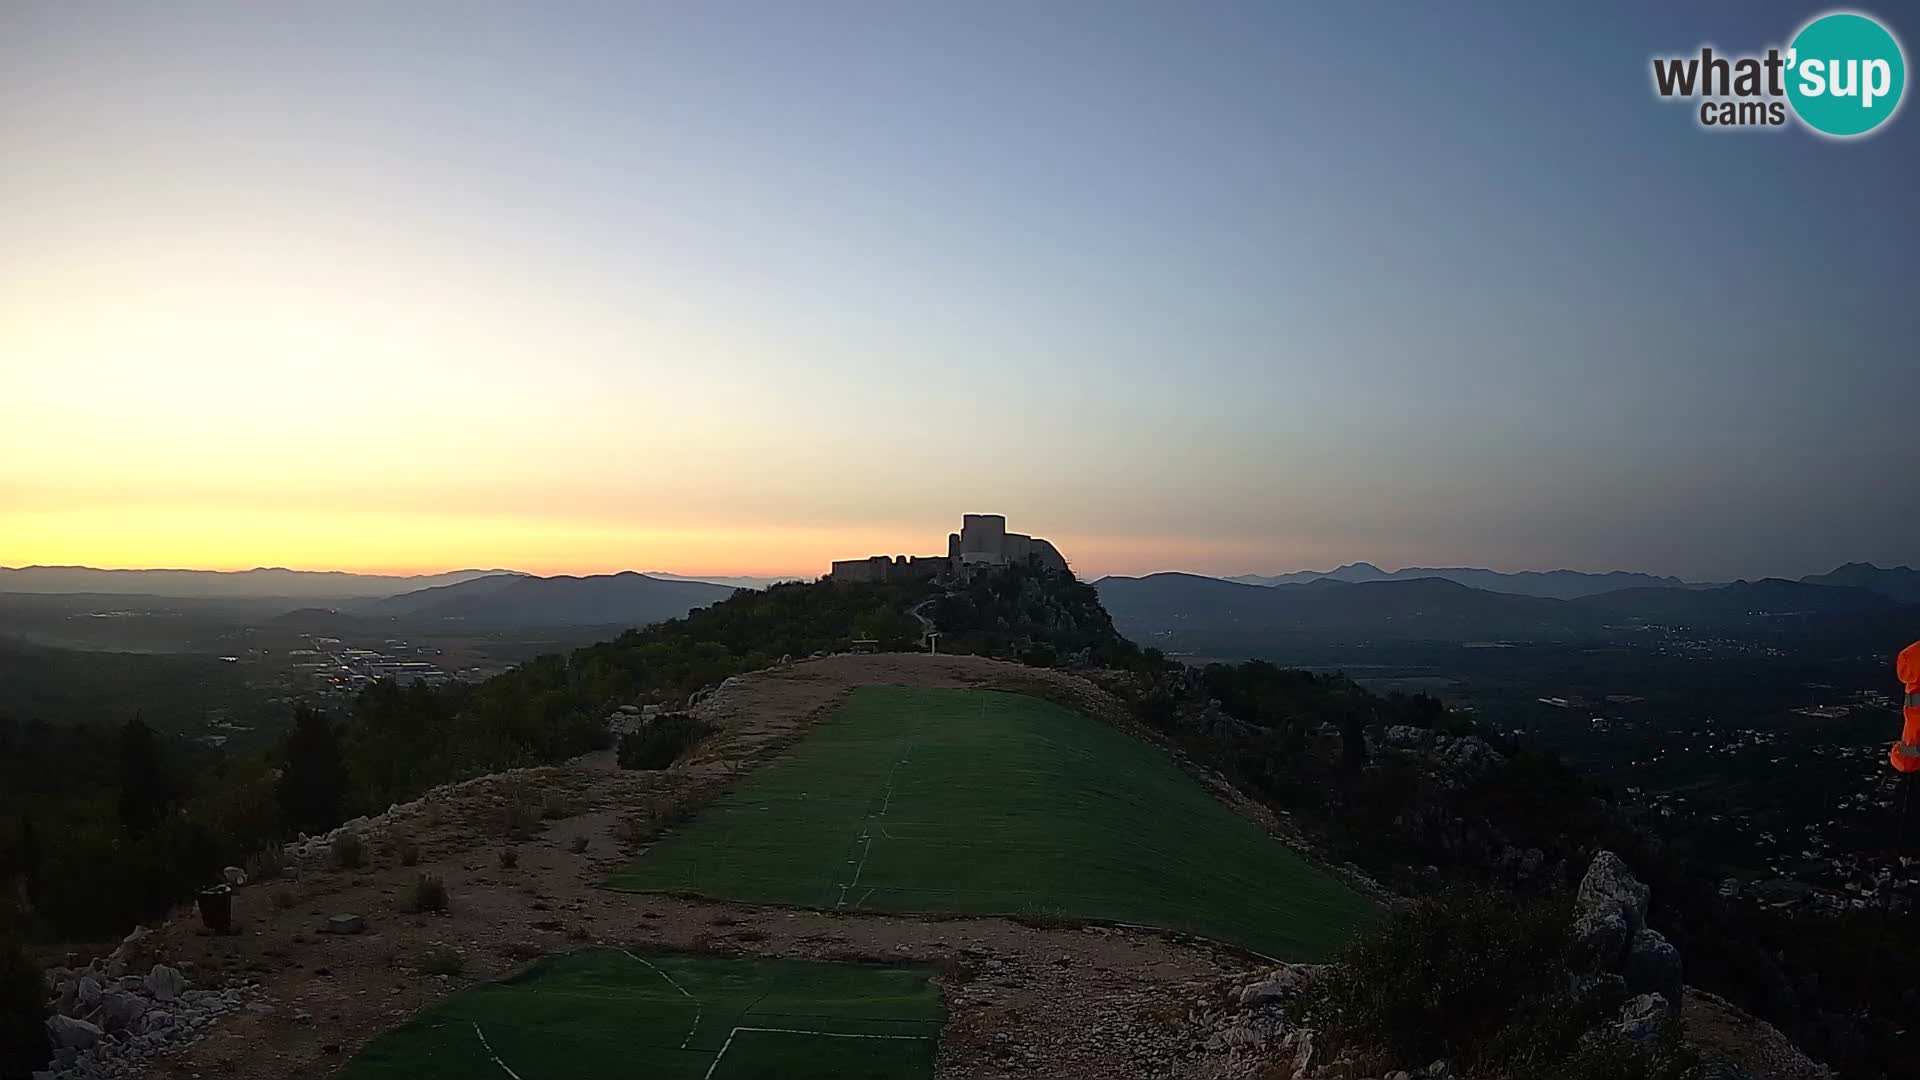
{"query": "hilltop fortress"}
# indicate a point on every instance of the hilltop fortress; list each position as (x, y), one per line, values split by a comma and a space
(983, 540)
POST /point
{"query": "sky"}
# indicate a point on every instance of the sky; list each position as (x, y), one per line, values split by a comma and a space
(743, 288)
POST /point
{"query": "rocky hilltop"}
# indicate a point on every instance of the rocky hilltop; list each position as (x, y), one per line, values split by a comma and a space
(341, 941)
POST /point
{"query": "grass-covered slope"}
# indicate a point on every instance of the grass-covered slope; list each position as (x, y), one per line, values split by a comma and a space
(990, 803)
(671, 1016)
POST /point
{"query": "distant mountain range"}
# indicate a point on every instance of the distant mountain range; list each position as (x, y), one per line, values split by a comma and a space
(755, 583)
(624, 599)
(1900, 583)
(479, 599)
(1554, 584)
(1221, 613)
(236, 584)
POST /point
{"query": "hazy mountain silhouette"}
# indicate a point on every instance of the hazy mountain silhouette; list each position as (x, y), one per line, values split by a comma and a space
(732, 581)
(1226, 613)
(1736, 602)
(259, 582)
(1901, 583)
(1554, 584)
(624, 599)
(1418, 608)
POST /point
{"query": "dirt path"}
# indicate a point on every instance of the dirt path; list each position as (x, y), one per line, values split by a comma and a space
(1064, 1001)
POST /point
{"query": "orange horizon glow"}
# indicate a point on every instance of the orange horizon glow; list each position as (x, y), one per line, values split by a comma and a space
(399, 544)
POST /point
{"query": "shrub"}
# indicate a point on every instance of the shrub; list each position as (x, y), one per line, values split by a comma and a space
(662, 742)
(556, 805)
(407, 850)
(429, 893)
(266, 864)
(441, 961)
(349, 853)
(23, 1035)
(509, 858)
(578, 846)
(1443, 977)
(519, 820)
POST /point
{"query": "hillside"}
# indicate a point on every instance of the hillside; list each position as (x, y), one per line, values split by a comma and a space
(624, 599)
(258, 582)
(990, 835)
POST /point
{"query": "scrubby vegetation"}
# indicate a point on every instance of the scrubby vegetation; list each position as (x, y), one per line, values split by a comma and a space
(662, 741)
(428, 894)
(1477, 980)
(349, 851)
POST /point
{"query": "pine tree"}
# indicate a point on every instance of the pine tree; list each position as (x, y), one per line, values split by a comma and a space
(144, 791)
(314, 783)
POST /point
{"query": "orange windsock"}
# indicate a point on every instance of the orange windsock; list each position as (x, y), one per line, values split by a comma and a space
(1905, 754)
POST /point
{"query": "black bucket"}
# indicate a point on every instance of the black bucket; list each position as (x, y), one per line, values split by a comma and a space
(216, 908)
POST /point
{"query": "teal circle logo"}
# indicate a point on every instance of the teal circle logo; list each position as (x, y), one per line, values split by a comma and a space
(1845, 74)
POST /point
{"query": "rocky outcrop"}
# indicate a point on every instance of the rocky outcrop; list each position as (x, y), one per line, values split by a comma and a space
(109, 1023)
(1610, 908)
(1653, 967)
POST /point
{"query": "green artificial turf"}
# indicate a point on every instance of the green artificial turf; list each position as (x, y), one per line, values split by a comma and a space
(980, 802)
(607, 1012)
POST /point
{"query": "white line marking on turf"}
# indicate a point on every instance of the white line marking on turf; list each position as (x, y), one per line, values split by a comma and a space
(698, 1009)
(488, 1047)
(798, 1031)
(866, 827)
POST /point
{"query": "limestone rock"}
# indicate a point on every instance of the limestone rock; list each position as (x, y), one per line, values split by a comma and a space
(1282, 982)
(1609, 883)
(120, 1010)
(1609, 909)
(346, 924)
(165, 983)
(1600, 939)
(86, 994)
(67, 1033)
(1653, 967)
(1640, 1018)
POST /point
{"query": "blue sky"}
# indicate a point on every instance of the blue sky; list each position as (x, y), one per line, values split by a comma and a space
(734, 287)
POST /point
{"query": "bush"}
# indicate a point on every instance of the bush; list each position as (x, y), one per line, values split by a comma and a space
(407, 850)
(519, 820)
(509, 858)
(1442, 978)
(23, 1035)
(578, 846)
(1482, 980)
(440, 962)
(429, 893)
(266, 864)
(556, 805)
(662, 742)
(349, 853)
